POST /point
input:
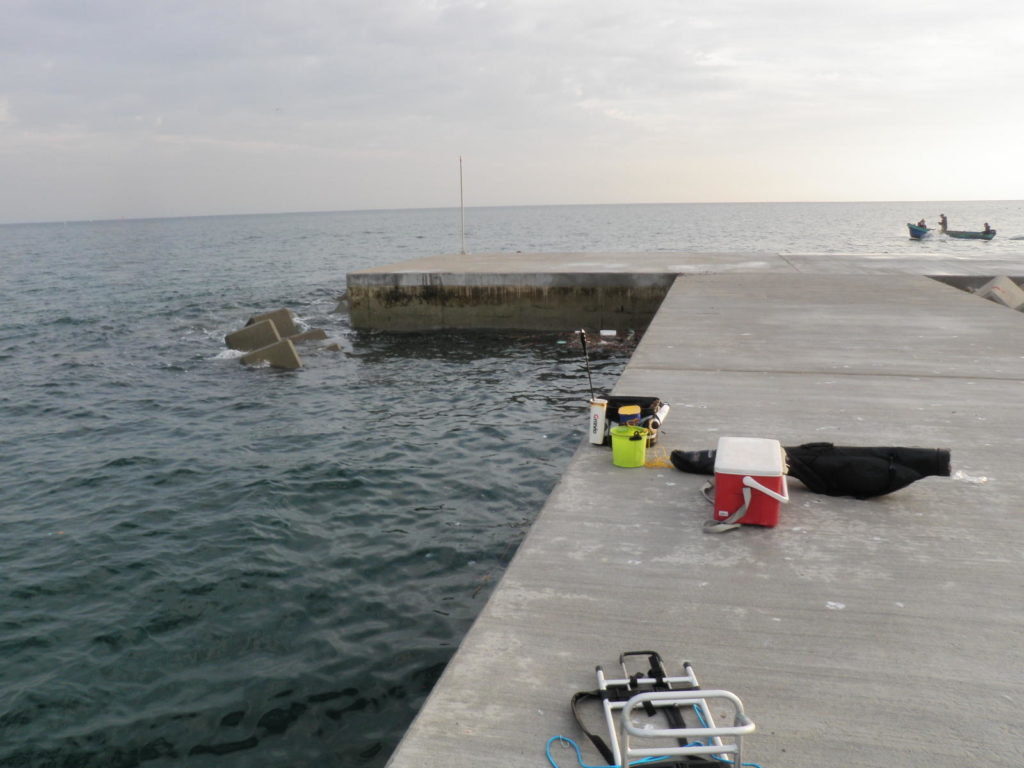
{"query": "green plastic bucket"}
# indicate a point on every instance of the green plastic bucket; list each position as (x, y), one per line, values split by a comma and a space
(629, 446)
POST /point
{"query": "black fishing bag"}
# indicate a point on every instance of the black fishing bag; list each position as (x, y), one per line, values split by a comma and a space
(863, 472)
(648, 406)
(836, 470)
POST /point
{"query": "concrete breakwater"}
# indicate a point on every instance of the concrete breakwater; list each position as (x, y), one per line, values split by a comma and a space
(559, 291)
(271, 338)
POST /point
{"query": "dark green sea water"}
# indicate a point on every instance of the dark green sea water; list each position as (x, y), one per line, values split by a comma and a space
(205, 564)
(208, 564)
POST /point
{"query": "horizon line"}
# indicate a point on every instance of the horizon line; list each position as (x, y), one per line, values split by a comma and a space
(481, 207)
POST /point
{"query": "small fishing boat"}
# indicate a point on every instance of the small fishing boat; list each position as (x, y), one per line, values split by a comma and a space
(986, 234)
(917, 231)
(965, 235)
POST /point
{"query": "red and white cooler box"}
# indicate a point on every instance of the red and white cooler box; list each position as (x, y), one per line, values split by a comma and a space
(750, 480)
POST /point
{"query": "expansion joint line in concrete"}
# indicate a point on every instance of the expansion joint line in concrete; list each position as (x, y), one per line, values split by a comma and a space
(789, 263)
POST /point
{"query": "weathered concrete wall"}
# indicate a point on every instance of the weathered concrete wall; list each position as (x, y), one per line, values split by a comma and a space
(432, 301)
(547, 291)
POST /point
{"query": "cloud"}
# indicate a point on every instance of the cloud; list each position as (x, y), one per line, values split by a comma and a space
(670, 86)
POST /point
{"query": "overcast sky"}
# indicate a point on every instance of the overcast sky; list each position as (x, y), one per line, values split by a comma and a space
(132, 108)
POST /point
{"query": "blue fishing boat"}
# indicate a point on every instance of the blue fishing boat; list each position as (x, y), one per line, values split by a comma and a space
(917, 231)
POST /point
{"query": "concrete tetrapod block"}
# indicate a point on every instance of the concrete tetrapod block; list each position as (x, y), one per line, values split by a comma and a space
(280, 354)
(1003, 290)
(313, 334)
(283, 319)
(253, 336)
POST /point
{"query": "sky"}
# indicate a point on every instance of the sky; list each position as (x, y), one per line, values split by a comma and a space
(150, 108)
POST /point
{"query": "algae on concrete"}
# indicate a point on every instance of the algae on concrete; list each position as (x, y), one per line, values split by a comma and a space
(433, 301)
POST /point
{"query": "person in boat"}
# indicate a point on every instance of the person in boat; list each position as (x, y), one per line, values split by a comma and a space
(987, 228)
(942, 222)
(922, 224)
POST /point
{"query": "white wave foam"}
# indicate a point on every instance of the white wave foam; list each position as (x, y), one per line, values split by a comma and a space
(972, 479)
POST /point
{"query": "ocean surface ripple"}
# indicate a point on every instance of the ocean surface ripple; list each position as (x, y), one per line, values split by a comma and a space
(210, 564)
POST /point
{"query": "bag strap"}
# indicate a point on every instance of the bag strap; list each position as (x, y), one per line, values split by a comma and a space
(596, 740)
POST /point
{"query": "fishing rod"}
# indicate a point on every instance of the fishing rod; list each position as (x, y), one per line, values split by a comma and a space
(598, 405)
(586, 357)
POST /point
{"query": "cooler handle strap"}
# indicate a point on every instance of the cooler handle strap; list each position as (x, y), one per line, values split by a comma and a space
(750, 482)
(733, 521)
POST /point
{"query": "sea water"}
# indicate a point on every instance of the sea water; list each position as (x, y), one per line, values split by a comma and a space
(209, 564)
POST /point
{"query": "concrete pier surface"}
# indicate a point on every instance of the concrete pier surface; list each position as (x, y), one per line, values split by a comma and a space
(857, 633)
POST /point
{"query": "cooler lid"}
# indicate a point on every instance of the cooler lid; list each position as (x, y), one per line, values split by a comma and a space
(749, 456)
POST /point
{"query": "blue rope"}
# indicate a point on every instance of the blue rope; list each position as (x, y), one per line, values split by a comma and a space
(579, 754)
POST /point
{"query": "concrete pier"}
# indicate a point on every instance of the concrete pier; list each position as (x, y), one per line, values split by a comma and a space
(554, 291)
(857, 633)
